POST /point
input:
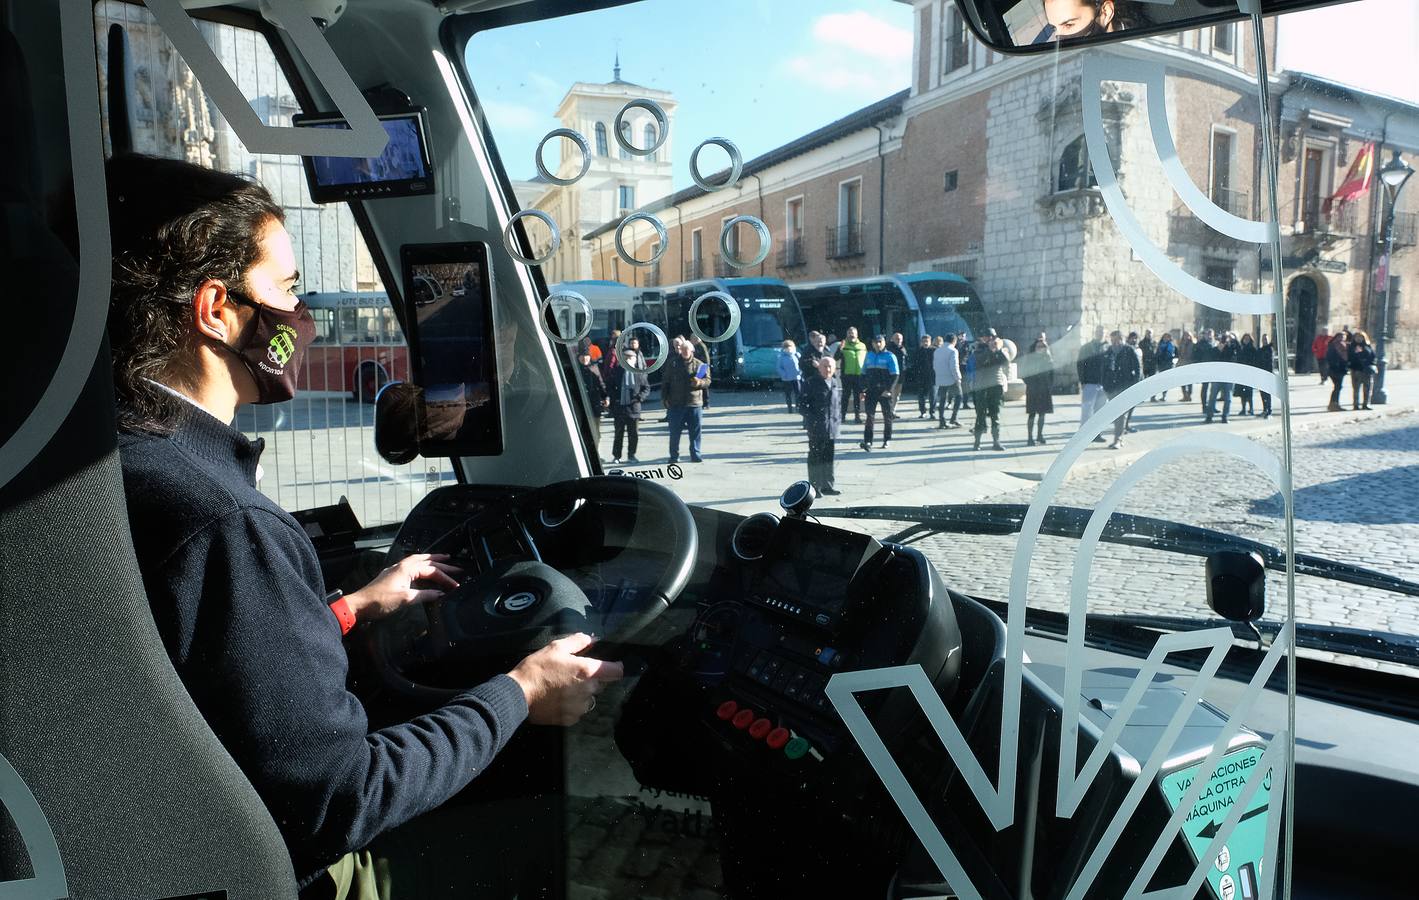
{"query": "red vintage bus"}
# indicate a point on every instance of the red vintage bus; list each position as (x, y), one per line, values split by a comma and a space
(358, 345)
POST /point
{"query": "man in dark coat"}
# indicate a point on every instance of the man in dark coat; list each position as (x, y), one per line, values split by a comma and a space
(1225, 350)
(593, 386)
(921, 376)
(823, 415)
(626, 389)
(682, 390)
(1122, 370)
(1090, 367)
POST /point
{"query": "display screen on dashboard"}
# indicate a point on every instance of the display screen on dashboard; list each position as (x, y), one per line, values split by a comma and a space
(402, 170)
(449, 318)
(814, 564)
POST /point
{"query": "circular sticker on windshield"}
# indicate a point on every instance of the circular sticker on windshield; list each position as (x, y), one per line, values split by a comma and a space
(730, 253)
(662, 239)
(634, 359)
(623, 132)
(736, 164)
(556, 320)
(1227, 888)
(510, 237)
(730, 304)
(576, 137)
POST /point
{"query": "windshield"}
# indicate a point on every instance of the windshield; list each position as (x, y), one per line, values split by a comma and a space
(769, 315)
(949, 307)
(1112, 344)
(950, 158)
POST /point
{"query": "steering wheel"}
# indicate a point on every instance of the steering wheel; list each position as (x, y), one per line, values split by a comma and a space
(518, 602)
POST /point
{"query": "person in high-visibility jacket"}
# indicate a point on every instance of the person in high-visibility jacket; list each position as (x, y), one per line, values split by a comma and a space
(851, 355)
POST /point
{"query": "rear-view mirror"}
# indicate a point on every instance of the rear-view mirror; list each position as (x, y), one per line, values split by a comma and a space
(1236, 585)
(396, 422)
(1032, 26)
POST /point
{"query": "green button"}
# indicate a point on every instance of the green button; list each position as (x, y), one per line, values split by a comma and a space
(796, 748)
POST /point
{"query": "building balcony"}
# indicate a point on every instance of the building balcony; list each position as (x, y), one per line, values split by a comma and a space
(694, 270)
(845, 241)
(722, 268)
(1328, 224)
(792, 253)
(1238, 203)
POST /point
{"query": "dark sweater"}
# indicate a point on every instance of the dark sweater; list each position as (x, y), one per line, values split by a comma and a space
(236, 589)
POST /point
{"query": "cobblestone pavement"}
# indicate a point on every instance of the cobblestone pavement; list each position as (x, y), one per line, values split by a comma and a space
(1356, 485)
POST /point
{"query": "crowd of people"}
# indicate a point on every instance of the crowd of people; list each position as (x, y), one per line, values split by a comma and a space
(832, 381)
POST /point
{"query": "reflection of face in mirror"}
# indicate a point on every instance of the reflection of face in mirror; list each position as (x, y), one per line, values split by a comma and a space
(1083, 18)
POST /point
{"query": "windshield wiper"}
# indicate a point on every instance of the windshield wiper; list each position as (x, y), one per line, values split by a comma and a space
(1122, 528)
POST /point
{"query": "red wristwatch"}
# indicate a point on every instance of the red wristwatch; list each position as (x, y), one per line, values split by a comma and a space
(340, 606)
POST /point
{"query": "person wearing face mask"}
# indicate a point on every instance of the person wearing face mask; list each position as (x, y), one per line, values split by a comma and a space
(1086, 18)
(203, 318)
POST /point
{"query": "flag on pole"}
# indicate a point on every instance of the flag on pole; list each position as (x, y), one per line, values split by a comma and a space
(1357, 180)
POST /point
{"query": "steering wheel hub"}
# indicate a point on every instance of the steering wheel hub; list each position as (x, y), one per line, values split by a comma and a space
(517, 603)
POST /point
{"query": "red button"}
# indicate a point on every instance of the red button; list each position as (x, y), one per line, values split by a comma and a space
(760, 728)
(777, 738)
(743, 718)
(727, 709)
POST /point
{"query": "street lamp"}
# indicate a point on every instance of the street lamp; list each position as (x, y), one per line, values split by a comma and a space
(1395, 175)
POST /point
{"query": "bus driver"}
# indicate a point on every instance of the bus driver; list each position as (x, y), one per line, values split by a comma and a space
(204, 317)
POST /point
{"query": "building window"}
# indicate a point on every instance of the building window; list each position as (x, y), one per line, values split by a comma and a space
(601, 139)
(791, 253)
(949, 182)
(845, 239)
(695, 268)
(956, 47)
(649, 139)
(626, 197)
(1220, 273)
(1315, 186)
(1075, 173)
(732, 241)
(1222, 193)
(626, 133)
(1224, 39)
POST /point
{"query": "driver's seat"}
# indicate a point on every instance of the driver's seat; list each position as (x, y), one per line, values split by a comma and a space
(113, 783)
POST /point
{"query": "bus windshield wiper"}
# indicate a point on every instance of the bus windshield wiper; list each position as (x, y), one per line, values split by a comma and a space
(1122, 528)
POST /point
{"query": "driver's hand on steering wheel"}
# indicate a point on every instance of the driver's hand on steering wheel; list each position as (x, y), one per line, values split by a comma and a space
(395, 586)
(560, 686)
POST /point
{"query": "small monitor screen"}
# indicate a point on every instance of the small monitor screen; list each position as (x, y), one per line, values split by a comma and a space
(814, 564)
(449, 314)
(402, 170)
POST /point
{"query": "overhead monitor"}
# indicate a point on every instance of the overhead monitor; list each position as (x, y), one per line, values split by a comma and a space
(404, 168)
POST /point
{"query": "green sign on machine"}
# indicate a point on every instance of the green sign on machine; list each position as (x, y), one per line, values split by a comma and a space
(1235, 872)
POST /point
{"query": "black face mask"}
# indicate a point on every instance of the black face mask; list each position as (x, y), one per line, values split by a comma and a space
(271, 348)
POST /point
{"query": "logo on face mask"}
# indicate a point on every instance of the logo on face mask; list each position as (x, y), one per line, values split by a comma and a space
(282, 346)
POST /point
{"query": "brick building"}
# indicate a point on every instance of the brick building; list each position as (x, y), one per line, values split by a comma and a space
(981, 168)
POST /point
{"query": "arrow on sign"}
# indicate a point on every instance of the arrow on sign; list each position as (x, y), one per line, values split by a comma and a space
(1210, 830)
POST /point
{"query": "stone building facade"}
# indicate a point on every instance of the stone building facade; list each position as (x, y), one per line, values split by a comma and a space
(981, 168)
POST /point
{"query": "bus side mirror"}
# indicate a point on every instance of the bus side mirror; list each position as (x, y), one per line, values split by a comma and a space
(1236, 585)
(396, 422)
